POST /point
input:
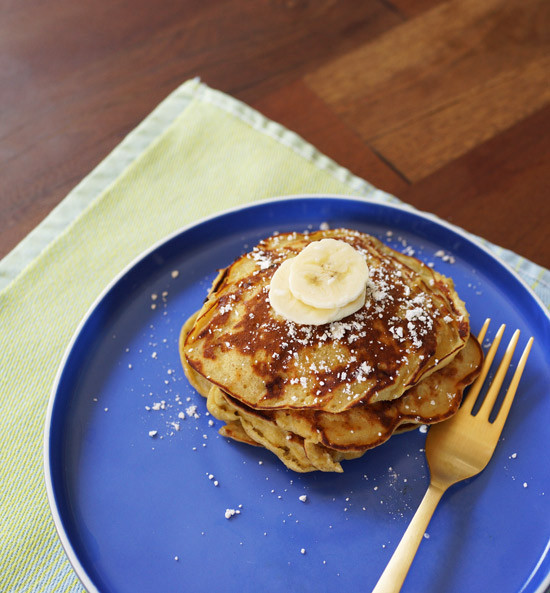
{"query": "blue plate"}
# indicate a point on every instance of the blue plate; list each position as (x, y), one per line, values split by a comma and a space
(139, 495)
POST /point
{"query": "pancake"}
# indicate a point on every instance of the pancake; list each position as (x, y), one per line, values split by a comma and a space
(309, 440)
(412, 324)
(258, 428)
(365, 426)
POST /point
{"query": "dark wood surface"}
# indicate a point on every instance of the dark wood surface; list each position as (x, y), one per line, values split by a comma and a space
(444, 104)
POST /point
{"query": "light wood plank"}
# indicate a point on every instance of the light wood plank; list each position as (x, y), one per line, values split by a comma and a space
(424, 145)
(443, 72)
(498, 190)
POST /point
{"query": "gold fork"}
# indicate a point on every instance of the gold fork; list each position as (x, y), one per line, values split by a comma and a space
(457, 449)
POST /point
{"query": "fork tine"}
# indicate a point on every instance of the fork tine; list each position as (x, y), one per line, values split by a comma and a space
(483, 330)
(509, 397)
(468, 405)
(489, 401)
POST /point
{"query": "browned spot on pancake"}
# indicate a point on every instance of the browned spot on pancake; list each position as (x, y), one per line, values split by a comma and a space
(219, 280)
(273, 388)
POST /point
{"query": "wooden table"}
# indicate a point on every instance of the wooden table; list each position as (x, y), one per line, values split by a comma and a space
(444, 104)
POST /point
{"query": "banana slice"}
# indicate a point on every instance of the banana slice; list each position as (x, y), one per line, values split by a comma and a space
(288, 306)
(328, 273)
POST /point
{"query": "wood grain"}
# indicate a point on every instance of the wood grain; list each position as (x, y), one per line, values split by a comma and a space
(444, 104)
(498, 189)
(75, 78)
(435, 87)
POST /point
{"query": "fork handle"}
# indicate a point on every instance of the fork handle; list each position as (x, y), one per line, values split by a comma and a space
(395, 572)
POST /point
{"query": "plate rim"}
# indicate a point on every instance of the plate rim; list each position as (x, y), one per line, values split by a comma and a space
(80, 571)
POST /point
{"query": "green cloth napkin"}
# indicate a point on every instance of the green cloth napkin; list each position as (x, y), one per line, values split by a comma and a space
(198, 153)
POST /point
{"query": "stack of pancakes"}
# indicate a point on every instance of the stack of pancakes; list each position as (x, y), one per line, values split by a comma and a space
(318, 394)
